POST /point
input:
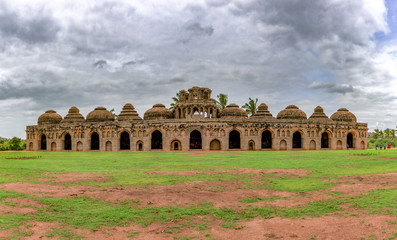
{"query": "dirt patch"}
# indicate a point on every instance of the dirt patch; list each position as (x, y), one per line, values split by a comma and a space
(294, 172)
(73, 177)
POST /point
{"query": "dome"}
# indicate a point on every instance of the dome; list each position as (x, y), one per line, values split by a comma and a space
(128, 113)
(262, 112)
(319, 114)
(233, 111)
(343, 115)
(100, 114)
(158, 111)
(73, 115)
(291, 112)
(49, 117)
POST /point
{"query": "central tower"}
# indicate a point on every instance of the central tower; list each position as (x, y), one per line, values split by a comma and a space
(196, 103)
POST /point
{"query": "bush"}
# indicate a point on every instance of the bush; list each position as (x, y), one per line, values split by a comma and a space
(14, 144)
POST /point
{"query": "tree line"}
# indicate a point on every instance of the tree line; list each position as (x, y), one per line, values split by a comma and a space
(13, 144)
(379, 136)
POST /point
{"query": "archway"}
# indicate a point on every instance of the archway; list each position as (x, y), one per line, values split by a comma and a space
(266, 139)
(139, 146)
(94, 141)
(157, 140)
(43, 142)
(79, 146)
(176, 145)
(53, 147)
(31, 146)
(339, 145)
(215, 145)
(312, 145)
(251, 145)
(108, 146)
(297, 140)
(283, 145)
(362, 145)
(67, 142)
(234, 140)
(195, 140)
(125, 141)
(324, 140)
(350, 142)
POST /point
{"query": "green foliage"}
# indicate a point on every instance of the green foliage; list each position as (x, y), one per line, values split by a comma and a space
(251, 106)
(14, 144)
(63, 234)
(175, 99)
(222, 100)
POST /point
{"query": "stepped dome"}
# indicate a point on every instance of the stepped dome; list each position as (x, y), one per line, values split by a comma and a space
(128, 113)
(73, 115)
(262, 112)
(319, 114)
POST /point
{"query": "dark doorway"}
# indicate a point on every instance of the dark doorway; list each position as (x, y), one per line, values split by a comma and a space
(43, 142)
(297, 140)
(195, 140)
(266, 139)
(140, 146)
(94, 141)
(324, 140)
(157, 140)
(68, 142)
(349, 141)
(234, 140)
(125, 141)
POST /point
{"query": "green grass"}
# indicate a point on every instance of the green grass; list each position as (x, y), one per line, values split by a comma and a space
(129, 169)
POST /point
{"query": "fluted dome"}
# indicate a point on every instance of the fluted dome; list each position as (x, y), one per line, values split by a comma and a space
(128, 113)
(158, 111)
(233, 111)
(100, 114)
(262, 112)
(343, 115)
(49, 117)
(291, 112)
(319, 114)
(73, 115)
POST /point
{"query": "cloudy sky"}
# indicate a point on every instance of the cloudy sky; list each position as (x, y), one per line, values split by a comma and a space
(332, 53)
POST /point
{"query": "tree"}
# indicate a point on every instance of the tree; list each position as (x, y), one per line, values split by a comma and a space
(175, 99)
(393, 134)
(378, 133)
(250, 107)
(387, 133)
(114, 114)
(15, 144)
(222, 101)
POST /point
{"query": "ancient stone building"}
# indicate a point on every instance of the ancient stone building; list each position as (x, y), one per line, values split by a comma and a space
(196, 123)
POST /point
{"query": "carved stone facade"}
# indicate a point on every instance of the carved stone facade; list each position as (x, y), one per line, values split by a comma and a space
(196, 123)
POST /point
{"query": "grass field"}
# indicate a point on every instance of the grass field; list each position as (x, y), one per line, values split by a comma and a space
(199, 195)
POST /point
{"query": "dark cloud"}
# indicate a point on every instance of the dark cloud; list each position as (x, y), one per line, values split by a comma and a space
(332, 87)
(194, 30)
(38, 28)
(100, 64)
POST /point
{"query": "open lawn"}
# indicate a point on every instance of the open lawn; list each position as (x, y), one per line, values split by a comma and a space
(199, 195)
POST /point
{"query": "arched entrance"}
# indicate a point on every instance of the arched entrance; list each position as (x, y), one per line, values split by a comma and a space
(283, 145)
(176, 145)
(43, 142)
(215, 145)
(251, 145)
(312, 145)
(339, 145)
(53, 147)
(139, 146)
(31, 146)
(125, 141)
(234, 140)
(67, 142)
(195, 140)
(350, 142)
(362, 145)
(324, 140)
(79, 146)
(266, 139)
(94, 141)
(157, 140)
(108, 146)
(297, 140)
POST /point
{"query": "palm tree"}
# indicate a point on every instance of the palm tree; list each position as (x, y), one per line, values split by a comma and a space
(393, 134)
(387, 133)
(113, 112)
(250, 107)
(222, 100)
(175, 99)
(378, 133)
